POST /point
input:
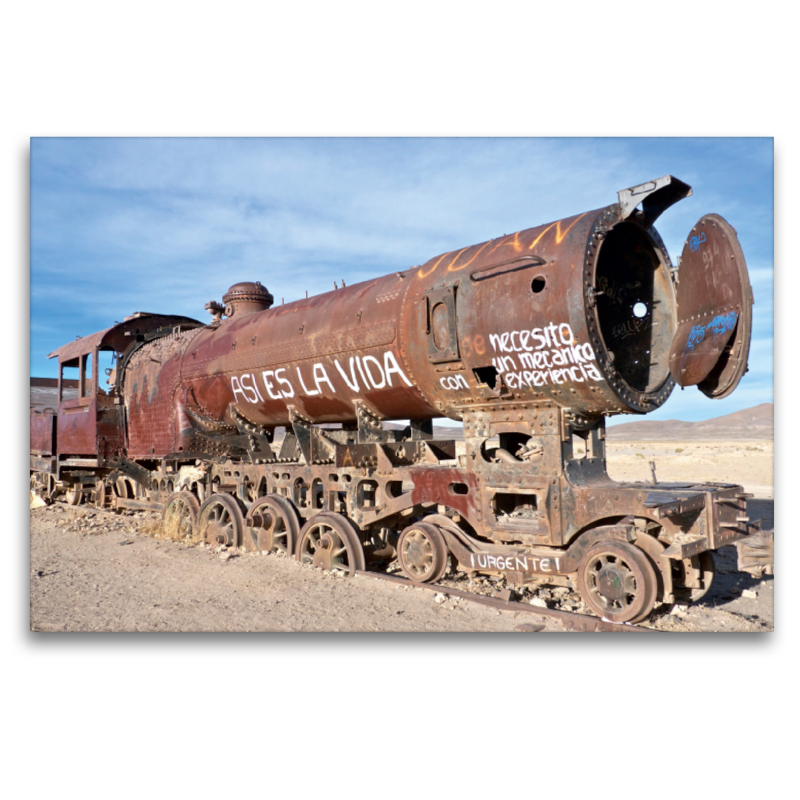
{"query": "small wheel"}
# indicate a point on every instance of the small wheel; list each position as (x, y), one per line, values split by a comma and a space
(705, 564)
(104, 494)
(330, 542)
(74, 495)
(123, 487)
(220, 521)
(422, 552)
(617, 581)
(180, 515)
(272, 526)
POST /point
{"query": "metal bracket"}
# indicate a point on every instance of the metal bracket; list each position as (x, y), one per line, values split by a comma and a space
(655, 196)
(133, 470)
(421, 429)
(441, 327)
(512, 265)
(315, 446)
(370, 425)
(258, 439)
(290, 449)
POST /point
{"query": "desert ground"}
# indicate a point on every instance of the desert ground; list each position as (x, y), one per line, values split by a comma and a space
(749, 463)
(91, 570)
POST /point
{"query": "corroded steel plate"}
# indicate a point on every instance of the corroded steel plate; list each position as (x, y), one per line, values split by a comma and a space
(714, 299)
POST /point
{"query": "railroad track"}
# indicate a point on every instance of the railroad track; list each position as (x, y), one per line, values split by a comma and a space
(579, 623)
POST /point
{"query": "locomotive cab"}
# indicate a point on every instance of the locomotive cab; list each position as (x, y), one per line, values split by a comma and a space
(86, 439)
(83, 401)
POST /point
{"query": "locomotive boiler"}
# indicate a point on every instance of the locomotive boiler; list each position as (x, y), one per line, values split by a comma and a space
(530, 340)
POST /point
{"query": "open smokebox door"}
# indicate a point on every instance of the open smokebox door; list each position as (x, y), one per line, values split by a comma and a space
(714, 308)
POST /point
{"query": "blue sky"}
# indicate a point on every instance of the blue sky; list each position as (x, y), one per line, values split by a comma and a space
(124, 225)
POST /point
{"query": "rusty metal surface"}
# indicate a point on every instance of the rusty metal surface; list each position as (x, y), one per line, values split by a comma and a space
(714, 300)
(442, 337)
(437, 339)
(43, 433)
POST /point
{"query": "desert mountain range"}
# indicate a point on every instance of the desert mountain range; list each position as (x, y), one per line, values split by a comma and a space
(752, 423)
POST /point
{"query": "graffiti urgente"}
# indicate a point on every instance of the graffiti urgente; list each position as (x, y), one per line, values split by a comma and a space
(521, 563)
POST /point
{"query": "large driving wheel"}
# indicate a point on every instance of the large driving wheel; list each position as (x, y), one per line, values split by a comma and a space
(330, 542)
(220, 521)
(272, 526)
(422, 552)
(180, 515)
(617, 581)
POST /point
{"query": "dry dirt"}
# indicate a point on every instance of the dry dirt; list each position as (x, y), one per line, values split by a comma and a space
(94, 571)
(749, 463)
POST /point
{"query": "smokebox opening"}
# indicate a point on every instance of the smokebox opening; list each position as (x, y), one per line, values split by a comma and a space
(635, 309)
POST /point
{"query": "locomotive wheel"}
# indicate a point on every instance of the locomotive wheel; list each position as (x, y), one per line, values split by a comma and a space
(74, 495)
(272, 526)
(220, 521)
(422, 552)
(123, 488)
(180, 515)
(330, 542)
(618, 582)
(101, 499)
(705, 563)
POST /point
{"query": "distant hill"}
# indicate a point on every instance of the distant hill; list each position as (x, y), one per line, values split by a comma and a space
(752, 423)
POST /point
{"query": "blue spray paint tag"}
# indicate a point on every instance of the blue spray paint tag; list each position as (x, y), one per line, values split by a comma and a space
(718, 326)
(696, 241)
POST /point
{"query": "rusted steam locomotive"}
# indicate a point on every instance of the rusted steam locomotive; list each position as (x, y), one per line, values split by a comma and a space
(530, 340)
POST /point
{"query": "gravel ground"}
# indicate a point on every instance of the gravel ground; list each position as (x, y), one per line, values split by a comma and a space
(94, 571)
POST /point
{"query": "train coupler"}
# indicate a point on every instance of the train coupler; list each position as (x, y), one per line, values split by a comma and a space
(757, 554)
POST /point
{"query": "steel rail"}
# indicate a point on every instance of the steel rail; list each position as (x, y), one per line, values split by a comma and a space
(579, 623)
